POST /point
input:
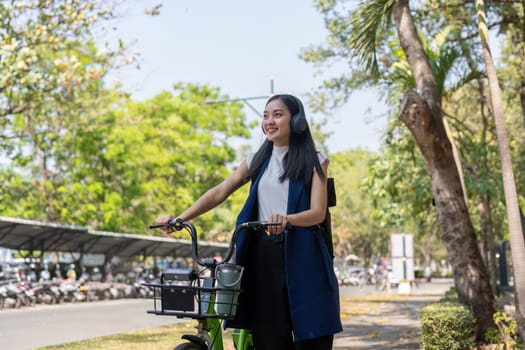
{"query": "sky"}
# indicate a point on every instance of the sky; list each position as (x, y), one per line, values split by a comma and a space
(240, 47)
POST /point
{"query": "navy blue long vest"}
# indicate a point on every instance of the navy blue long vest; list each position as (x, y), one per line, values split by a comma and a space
(313, 291)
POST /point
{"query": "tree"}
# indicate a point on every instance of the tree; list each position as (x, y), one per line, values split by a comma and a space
(354, 228)
(47, 54)
(51, 76)
(118, 169)
(517, 240)
(75, 151)
(397, 179)
(421, 113)
(399, 186)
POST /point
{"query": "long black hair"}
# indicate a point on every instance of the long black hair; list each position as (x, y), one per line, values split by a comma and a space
(301, 159)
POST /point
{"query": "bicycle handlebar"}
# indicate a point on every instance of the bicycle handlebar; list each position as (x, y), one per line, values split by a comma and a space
(178, 225)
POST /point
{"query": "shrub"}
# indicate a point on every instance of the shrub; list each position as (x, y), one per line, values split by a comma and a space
(447, 326)
(507, 333)
(450, 296)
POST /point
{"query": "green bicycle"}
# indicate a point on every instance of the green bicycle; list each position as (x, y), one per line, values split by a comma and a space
(208, 296)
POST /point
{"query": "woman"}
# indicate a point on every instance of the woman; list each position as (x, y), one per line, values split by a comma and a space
(290, 297)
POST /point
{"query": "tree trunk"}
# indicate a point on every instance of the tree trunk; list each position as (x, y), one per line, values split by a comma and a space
(487, 238)
(522, 98)
(470, 275)
(517, 243)
(485, 210)
(421, 113)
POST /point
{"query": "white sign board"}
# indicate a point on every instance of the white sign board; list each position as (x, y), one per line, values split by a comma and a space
(5, 255)
(403, 256)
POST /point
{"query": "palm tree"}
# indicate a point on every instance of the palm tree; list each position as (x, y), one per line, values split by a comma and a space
(517, 241)
(421, 112)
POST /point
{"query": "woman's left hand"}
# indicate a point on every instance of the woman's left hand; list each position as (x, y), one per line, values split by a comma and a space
(275, 230)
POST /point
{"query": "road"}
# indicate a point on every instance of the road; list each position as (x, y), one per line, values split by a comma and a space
(438, 286)
(44, 325)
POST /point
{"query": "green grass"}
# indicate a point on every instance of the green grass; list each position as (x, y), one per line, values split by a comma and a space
(166, 337)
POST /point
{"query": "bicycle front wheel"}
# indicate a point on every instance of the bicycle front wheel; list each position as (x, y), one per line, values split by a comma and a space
(190, 346)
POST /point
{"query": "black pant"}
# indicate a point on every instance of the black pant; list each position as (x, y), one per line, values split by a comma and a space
(321, 343)
(273, 327)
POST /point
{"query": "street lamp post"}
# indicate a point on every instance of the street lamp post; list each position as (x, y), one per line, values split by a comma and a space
(244, 100)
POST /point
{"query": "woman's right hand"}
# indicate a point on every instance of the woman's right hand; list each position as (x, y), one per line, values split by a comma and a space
(278, 229)
(163, 220)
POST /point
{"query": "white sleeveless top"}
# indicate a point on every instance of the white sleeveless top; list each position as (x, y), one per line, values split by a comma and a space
(272, 194)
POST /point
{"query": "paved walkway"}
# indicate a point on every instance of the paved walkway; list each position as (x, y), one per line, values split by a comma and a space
(379, 323)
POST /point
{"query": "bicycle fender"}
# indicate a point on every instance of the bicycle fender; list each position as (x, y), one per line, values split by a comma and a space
(195, 339)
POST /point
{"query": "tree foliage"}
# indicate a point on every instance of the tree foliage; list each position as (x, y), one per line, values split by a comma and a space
(441, 73)
(47, 53)
(449, 33)
(75, 151)
(354, 227)
(51, 81)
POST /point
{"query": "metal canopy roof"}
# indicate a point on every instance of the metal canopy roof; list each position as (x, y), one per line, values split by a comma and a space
(21, 234)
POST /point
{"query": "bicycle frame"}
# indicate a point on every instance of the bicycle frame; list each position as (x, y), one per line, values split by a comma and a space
(178, 290)
(209, 335)
(209, 330)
